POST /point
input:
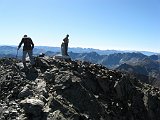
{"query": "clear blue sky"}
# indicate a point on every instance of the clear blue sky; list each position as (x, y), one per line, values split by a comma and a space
(102, 24)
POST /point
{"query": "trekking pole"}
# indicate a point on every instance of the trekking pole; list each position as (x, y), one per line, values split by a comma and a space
(17, 54)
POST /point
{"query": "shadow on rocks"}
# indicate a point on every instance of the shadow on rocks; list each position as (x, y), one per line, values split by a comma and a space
(31, 74)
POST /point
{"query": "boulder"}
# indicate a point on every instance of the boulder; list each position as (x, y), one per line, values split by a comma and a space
(32, 106)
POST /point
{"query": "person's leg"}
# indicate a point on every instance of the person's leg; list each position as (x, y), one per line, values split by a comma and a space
(30, 54)
(63, 49)
(66, 48)
(24, 58)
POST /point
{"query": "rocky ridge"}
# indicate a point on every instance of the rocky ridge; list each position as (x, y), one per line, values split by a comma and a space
(73, 90)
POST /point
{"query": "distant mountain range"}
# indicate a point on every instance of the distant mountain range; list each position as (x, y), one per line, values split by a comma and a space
(108, 58)
(113, 60)
(147, 70)
(145, 67)
(12, 50)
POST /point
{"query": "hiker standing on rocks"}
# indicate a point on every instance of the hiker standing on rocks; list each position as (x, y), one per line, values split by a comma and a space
(27, 48)
(65, 45)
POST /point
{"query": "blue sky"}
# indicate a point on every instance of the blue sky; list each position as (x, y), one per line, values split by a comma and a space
(102, 24)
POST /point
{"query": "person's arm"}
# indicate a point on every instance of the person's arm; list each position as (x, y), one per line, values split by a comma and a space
(32, 44)
(20, 44)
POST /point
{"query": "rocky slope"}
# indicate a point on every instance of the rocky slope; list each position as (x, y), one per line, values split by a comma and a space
(73, 90)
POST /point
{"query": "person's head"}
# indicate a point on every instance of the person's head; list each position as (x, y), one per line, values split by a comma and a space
(25, 36)
(67, 35)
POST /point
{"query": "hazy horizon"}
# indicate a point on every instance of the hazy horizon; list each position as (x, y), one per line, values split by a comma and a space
(98, 24)
(90, 48)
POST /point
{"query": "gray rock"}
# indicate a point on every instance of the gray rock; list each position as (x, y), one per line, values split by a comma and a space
(57, 115)
(48, 76)
(32, 106)
(25, 92)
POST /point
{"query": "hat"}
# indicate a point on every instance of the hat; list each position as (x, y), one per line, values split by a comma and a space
(25, 36)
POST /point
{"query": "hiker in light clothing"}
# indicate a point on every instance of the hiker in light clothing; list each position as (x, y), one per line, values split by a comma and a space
(65, 42)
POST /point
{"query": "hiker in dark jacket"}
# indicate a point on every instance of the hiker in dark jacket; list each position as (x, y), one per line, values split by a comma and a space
(65, 42)
(27, 48)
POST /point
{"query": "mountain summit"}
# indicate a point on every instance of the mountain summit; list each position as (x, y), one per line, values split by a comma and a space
(73, 90)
